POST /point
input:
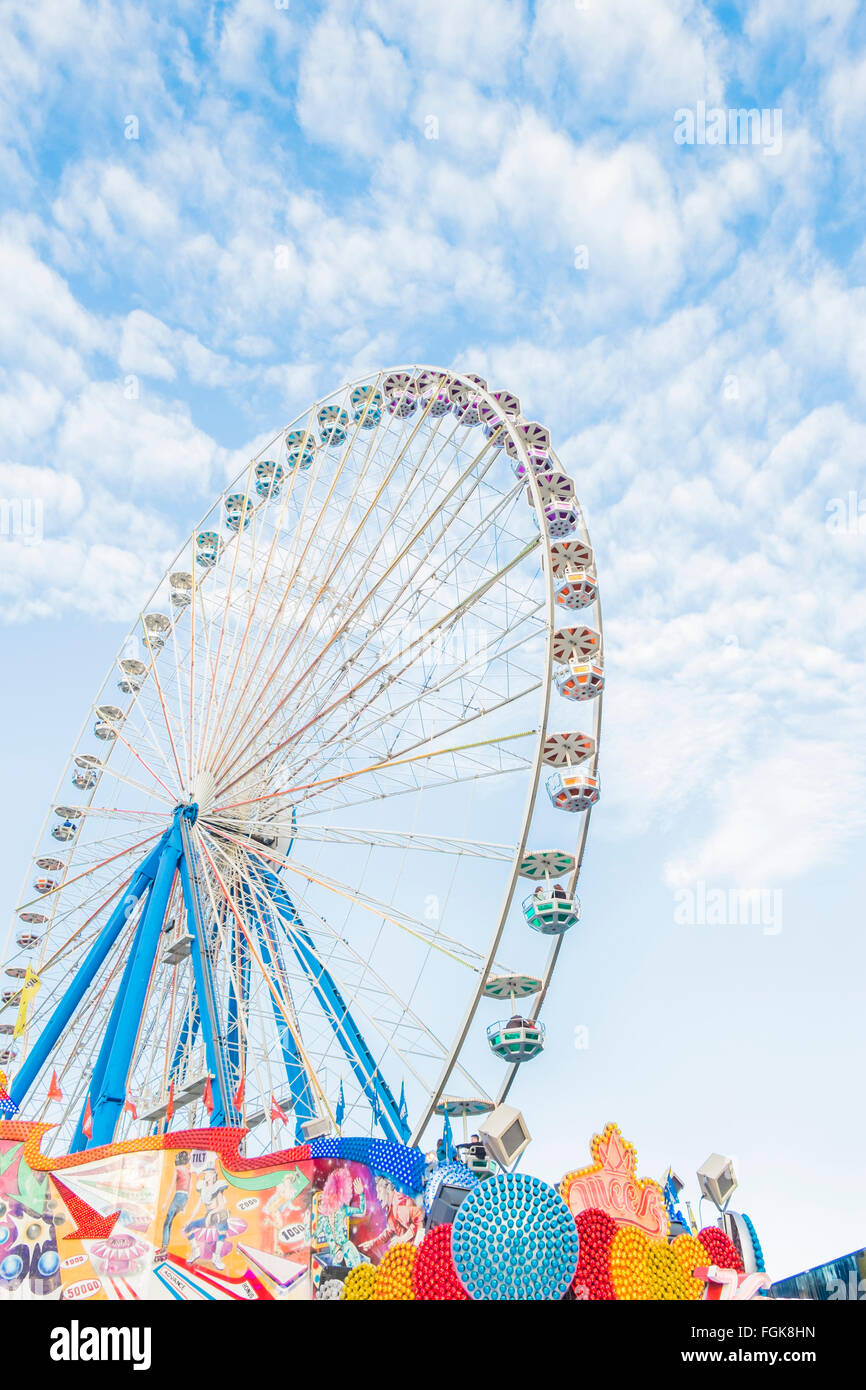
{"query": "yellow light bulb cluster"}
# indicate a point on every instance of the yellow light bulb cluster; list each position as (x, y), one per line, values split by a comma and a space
(360, 1284)
(394, 1275)
(644, 1269)
(628, 1264)
(690, 1253)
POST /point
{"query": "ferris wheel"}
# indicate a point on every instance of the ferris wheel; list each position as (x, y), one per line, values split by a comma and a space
(310, 866)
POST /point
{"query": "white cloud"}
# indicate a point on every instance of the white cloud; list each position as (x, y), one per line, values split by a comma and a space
(351, 87)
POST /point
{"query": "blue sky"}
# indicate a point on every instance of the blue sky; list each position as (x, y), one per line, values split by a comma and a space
(318, 190)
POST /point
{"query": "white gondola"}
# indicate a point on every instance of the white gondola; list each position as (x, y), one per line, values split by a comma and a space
(367, 404)
(434, 390)
(550, 909)
(576, 589)
(507, 405)
(8, 1055)
(180, 584)
(333, 422)
(573, 791)
(87, 770)
(238, 511)
(207, 549)
(581, 680)
(132, 676)
(46, 885)
(67, 826)
(400, 394)
(300, 450)
(553, 486)
(567, 749)
(560, 518)
(269, 479)
(156, 628)
(467, 406)
(535, 439)
(108, 720)
(575, 644)
(516, 1039)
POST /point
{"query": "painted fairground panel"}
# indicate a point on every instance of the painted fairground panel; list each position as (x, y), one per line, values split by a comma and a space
(185, 1216)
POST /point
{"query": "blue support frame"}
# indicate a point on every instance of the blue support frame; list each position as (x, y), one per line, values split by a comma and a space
(119, 1043)
(85, 975)
(223, 1111)
(385, 1108)
(303, 1102)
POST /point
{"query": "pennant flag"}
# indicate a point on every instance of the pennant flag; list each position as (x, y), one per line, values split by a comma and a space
(28, 989)
(238, 1097)
(8, 1108)
(447, 1138)
(169, 1109)
(54, 1091)
(404, 1109)
(87, 1122)
(341, 1107)
(277, 1111)
(207, 1097)
(129, 1104)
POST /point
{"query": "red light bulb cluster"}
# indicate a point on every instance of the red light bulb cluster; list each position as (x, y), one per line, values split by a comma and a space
(720, 1248)
(433, 1275)
(592, 1281)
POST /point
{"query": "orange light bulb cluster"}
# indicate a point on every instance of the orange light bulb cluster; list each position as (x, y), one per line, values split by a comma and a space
(628, 1264)
(360, 1284)
(394, 1275)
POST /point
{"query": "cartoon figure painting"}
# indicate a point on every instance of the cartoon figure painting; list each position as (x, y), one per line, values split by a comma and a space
(180, 1196)
(404, 1223)
(342, 1201)
(210, 1236)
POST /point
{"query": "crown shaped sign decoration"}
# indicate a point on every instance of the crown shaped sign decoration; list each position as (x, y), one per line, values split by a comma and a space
(610, 1184)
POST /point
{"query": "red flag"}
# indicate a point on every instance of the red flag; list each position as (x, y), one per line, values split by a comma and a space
(87, 1122)
(129, 1104)
(207, 1097)
(238, 1097)
(54, 1091)
(169, 1109)
(277, 1111)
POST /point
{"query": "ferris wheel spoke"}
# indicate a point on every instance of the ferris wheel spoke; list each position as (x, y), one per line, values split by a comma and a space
(485, 588)
(365, 601)
(290, 558)
(333, 1005)
(405, 922)
(405, 1011)
(290, 1024)
(387, 717)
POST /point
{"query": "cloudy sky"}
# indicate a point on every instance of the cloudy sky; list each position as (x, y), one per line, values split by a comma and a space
(213, 215)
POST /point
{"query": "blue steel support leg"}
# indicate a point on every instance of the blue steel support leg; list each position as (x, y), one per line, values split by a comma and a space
(107, 1105)
(303, 1105)
(344, 1027)
(223, 1110)
(84, 977)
